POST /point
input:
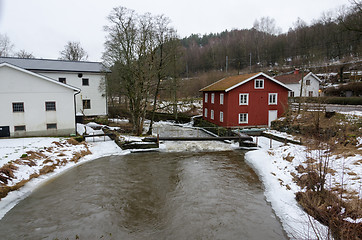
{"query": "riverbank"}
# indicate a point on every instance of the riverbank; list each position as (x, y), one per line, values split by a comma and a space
(278, 167)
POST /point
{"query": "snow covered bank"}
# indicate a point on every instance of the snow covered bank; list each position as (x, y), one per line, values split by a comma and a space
(276, 167)
(54, 150)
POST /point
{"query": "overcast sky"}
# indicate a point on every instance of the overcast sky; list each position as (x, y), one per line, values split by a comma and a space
(43, 27)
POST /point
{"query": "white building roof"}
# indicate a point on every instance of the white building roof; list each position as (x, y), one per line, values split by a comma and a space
(55, 65)
(39, 76)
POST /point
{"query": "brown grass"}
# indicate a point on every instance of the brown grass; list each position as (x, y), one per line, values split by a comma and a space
(47, 161)
(288, 158)
(73, 141)
(7, 170)
(352, 173)
(58, 144)
(31, 155)
(79, 155)
(326, 207)
(47, 169)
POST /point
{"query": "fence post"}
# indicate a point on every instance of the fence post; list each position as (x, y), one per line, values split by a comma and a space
(271, 140)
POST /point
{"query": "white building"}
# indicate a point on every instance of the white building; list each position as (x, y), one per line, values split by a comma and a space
(87, 76)
(311, 83)
(34, 105)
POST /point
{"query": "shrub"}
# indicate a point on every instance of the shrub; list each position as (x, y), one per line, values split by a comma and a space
(220, 131)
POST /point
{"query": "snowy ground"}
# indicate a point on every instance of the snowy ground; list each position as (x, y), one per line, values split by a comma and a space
(182, 106)
(274, 167)
(270, 164)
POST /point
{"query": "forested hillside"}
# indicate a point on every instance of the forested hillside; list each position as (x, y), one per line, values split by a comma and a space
(335, 37)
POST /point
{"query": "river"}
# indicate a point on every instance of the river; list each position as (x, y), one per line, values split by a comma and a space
(159, 195)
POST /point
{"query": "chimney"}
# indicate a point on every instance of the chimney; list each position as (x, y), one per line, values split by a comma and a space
(296, 71)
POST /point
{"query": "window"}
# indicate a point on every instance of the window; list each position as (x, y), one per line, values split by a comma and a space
(243, 98)
(273, 99)
(291, 94)
(212, 114)
(307, 82)
(221, 116)
(62, 80)
(51, 126)
(212, 97)
(259, 83)
(18, 107)
(19, 128)
(50, 106)
(243, 118)
(221, 98)
(205, 112)
(310, 93)
(206, 96)
(86, 104)
(85, 81)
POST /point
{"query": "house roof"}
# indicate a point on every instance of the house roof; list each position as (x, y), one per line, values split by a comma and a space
(55, 65)
(294, 78)
(229, 83)
(39, 76)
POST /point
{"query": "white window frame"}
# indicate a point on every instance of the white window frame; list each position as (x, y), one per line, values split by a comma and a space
(206, 97)
(310, 94)
(20, 128)
(246, 120)
(86, 104)
(221, 98)
(205, 112)
(212, 114)
(212, 98)
(257, 86)
(52, 126)
(276, 99)
(241, 97)
(50, 106)
(18, 107)
(221, 116)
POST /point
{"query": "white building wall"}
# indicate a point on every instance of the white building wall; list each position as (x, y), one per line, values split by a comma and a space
(91, 92)
(314, 87)
(33, 91)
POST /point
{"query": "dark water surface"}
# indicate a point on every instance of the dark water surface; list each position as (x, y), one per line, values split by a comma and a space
(213, 195)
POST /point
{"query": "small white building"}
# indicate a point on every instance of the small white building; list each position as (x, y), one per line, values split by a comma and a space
(34, 105)
(89, 77)
(311, 83)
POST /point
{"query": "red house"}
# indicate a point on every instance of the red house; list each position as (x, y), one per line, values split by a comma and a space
(245, 100)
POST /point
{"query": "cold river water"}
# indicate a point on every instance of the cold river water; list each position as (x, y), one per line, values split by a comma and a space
(159, 195)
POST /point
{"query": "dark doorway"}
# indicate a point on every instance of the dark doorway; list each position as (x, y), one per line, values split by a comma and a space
(4, 131)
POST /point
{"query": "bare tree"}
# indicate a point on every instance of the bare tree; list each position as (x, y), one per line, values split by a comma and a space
(128, 48)
(24, 54)
(351, 18)
(267, 25)
(73, 51)
(6, 47)
(166, 41)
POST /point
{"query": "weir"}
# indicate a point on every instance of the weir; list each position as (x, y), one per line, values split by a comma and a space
(243, 139)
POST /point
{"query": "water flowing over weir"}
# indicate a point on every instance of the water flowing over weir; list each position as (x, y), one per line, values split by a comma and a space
(173, 194)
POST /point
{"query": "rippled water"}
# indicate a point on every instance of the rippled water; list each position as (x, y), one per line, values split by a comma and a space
(209, 195)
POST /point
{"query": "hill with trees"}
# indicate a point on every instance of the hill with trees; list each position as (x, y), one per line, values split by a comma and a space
(335, 37)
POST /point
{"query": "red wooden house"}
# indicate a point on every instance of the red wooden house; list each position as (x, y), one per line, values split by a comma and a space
(245, 100)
